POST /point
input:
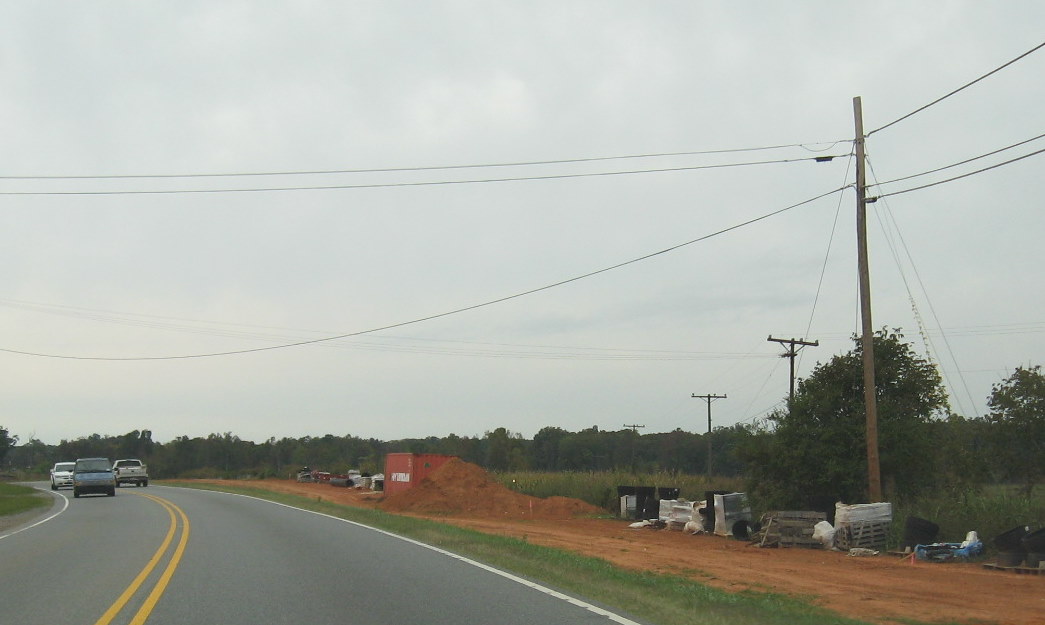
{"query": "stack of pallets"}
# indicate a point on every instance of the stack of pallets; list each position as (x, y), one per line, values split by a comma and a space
(790, 528)
(862, 534)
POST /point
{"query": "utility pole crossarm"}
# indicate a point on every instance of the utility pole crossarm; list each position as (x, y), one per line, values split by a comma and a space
(791, 354)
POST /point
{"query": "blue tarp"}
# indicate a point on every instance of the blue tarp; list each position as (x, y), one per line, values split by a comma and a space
(939, 552)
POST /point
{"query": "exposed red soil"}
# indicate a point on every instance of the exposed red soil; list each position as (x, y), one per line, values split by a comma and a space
(880, 589)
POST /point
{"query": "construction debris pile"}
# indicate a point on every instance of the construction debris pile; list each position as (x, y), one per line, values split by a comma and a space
(860, 527)
(459, 487)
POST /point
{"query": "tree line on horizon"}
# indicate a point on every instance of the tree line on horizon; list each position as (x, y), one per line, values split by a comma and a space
(804, 453)
(551, 449)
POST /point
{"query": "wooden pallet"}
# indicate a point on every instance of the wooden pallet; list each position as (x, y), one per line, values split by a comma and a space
(790, 529)
(1025, 570)
(862, 534)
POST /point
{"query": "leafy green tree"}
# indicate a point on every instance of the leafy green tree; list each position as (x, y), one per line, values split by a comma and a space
(963, 453)
(816, 450)
(505, 451)
(545, 448)
(1017, 416)
(6, 442)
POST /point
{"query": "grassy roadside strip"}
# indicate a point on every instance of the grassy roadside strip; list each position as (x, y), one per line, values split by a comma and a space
(15, 498)
(654, 597)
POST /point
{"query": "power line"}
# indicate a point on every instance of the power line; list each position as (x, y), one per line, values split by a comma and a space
(383, 185)
(960, 163)
(447, 313)
(965, 86)
(827, 256)
(972, 173)
(563, 161)
(922, 329)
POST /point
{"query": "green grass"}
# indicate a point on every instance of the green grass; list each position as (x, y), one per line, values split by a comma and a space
(15, 499)
(653, 597)
(989, 511)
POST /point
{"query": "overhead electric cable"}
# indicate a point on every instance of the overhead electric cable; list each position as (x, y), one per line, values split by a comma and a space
(399, 344)
(965, 86)
(930, 347)
(447, 313)
(960, 163)
(381, 185)
(827, 256)
(971, 173)
(471, 348)
(375, 170)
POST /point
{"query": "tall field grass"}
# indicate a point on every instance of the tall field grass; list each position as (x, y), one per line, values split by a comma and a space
(989, 511)
(599, 488)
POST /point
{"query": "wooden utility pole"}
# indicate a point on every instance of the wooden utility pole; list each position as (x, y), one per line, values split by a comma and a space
(634, 428)
(790, 354)
(874, 476)
(708, 398)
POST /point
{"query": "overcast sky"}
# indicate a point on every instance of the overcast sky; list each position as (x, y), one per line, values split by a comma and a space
(121, 280)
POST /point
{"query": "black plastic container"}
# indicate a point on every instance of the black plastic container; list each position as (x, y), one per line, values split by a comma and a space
(1034, 542)
(1011, 541)
(919, 531)
(1010, 546)
(646, 504)
(667, 492)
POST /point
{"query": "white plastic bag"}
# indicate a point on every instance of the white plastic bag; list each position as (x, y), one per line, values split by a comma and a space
(825, 533)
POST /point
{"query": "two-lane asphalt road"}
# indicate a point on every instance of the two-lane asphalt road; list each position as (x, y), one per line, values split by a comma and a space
(180, 556)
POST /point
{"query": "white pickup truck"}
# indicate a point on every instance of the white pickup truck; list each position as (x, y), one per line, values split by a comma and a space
(130, 471)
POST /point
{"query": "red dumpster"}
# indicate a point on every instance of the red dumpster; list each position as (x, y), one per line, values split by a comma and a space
(405, 470)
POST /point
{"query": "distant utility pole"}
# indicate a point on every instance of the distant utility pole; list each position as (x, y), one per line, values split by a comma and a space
(709, 398)
(790, 354)
(874, 476)
(634, 428)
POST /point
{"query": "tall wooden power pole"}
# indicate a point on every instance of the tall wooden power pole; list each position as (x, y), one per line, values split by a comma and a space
(874, 476)
(708, 398)
(790, 354)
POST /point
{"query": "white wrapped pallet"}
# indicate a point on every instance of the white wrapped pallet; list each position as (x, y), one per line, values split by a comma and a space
(848, 513)
(862, 525)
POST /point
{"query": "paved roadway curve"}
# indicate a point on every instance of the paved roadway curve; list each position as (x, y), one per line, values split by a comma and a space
(172, 556)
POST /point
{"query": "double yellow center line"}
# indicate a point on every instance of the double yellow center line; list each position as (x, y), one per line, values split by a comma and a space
(161, 584)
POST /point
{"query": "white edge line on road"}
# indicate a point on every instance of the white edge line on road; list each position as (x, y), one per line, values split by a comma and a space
(65, 504)
(525, 582)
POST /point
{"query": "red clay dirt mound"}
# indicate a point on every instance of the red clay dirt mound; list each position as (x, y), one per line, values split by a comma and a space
(461, 487)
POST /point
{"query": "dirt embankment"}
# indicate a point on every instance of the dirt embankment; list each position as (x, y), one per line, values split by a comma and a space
(881, 589)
